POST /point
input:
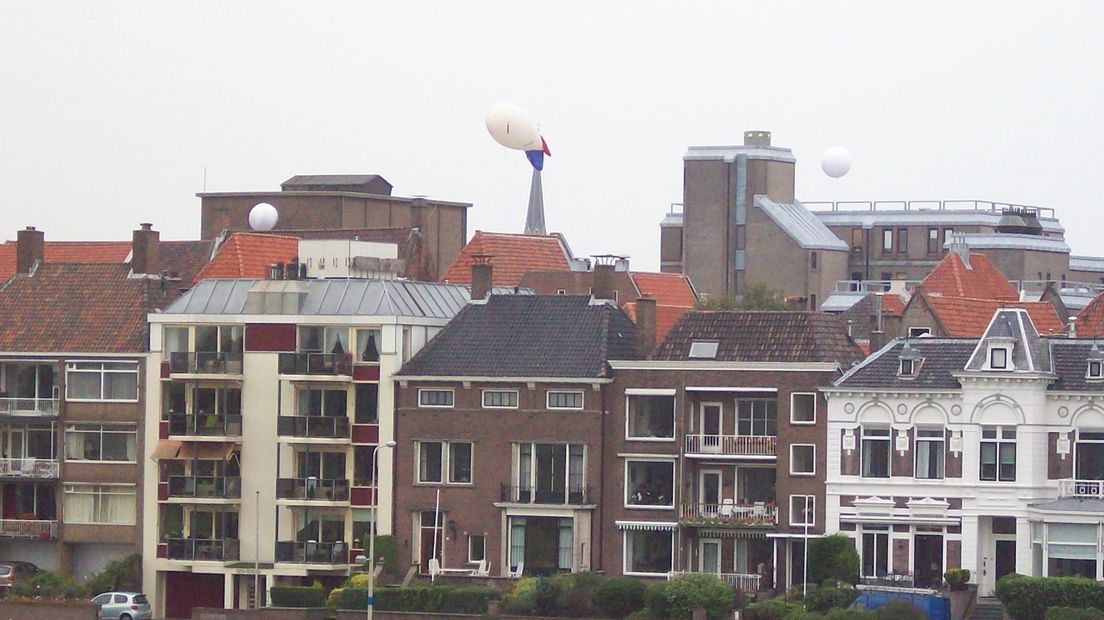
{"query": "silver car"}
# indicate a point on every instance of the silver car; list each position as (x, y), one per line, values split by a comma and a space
(124, 606)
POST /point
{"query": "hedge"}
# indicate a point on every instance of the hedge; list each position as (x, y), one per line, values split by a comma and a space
(434, 599)
(822, 600)
(1028, 598)
(1074, 613)
(297, 596)
(618, 597)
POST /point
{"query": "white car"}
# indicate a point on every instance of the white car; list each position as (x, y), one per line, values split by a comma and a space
(124, 606)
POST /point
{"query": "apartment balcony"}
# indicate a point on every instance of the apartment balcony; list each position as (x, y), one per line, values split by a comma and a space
(29, 406)
(30, 468)
(202, 549)
(205, 425)
(28, 528)
(1086, 489)
(728, 514)
(558, 497)
(321, 365)
(312, 489)
(204, 487)
(311, 552)
(731, 446)
(313, 427)
(739, 582)
(206, 363)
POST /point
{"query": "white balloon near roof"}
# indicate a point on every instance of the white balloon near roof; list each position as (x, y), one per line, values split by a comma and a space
(835, 162)
(263, 217)
(512, 127)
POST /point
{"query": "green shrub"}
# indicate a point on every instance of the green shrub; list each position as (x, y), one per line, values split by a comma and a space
(46, 584)
(388, 550)
(298, 596)
(521, 599)
(655, 599)
(619, 596)
(693, 590)
(833, 557)
(838, 613)
(122, 575)
(826, 598)
(576, 592)
(642, 614)
(957, 578)
(433, 599)
(805, 615)
(899, 610)
(773, 609)
(1074, 613)
(548, 596)
(1028, 598)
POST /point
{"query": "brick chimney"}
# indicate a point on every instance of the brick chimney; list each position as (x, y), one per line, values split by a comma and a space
(145, 257)
(29, 247)
(481, 277)
(645, 326)
(603, 281)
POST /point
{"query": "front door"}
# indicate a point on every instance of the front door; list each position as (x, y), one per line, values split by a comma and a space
(709, 558)
(429, 540)
(928, 562)
(711, 427)
(1005, 558)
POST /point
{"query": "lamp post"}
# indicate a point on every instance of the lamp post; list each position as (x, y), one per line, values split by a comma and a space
(257, 554)
(372, 530)
(805, 547)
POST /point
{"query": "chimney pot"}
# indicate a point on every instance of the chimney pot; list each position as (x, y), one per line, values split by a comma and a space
(482, 277)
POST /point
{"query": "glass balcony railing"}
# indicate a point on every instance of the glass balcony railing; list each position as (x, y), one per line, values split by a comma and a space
(319, 489)
(316, 364)
(313, 426)
(311, 552)
(203, 549)
(205, 363)
(528, 495)
(205, 424)
(204, 487)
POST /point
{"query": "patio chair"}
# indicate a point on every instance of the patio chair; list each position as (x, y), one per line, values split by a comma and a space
(728, 508)
(517, 572)
(482, 570)
(434, 567)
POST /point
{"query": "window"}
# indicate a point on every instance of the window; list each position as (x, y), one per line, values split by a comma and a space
(802, 510)
(435, 398)
(802, 459)
(998, 358)
(929, 453)
(933, 241)
(908, 367)
(998, 453)
(368, 344)
(432, 457)
(812, 302)
(549, 473)
(561, 291)
(460, 463)
(430, 461)
(813, 260)
(218, 338)
(649, 552)
(902, 241)
(948, 233)
(887, 240)
(108, 504)
(316, 339)
(101, 442)
(757, 417)
(1089, 452)
(1096, 370)
(875, 452)
(477, 548)
(330, 403)
(650, 417)
(875, 551)
(649, 483)
(856, 241)
(916, 332)
(802, 408)
(565, 400)
(700, 350)
(106, 381)
(367, 403)
(500, 399)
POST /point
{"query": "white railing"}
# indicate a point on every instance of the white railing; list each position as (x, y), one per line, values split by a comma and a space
(40, 406)
(24, 528)
(1081, 488)
(736, 581)
(29, 468)
(732, 445)
(730, 514)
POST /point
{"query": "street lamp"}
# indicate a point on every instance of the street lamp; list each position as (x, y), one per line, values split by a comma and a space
(372, 531)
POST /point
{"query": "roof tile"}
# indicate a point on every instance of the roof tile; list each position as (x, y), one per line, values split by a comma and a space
(512, 256)
(249, 255)
(964, 317)
(981, 280)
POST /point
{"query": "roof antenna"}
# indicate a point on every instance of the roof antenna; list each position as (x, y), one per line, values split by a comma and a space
(205, 179)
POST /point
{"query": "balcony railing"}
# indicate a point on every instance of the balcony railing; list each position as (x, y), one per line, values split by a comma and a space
(319, 489)
(729, 515)
(740, 582)
(732, 445)
(29, 468)
(312, 552)
(528, 495)
(202, 549)
(1081, 488)
(28, 528)
(205, 363)
(313, 426)
(28, 406)
(205, 487)
(205, 424)
(316, 364)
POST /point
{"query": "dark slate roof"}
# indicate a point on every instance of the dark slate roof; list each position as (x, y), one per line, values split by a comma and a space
(762, 337)
(1030, 353)
(1071, 363)
(942, 357)
(309, 180)
(185, 259)
(528, 336)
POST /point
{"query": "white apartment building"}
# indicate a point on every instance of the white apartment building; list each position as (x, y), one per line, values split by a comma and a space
(266, 400)
(985, 454)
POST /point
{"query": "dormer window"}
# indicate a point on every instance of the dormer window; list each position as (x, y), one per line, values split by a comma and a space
(1096, 369)
(702, 350)
(909, 362)
(908, 367)
(998, 358)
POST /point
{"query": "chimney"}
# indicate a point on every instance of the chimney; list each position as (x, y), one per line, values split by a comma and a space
(145, 257)
(602, 285)
(960, 246)
(645, 326)
(30, 244)
(417, 212)
(1072, 323)
(482, 280)
(877, 335)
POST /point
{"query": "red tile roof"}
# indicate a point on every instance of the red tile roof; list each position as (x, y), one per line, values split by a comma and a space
(981, 280)
(512, 255)
(671, 289)
(666, 317)
(1090, 321)
(67, 252)
(249, 255)
(964, 317)
(79, 308)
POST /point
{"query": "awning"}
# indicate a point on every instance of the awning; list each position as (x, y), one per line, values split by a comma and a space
(166, 449)
(707, 533)
(214, 451)
(645, 525)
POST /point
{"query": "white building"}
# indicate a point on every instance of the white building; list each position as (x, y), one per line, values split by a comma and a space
(985, 454)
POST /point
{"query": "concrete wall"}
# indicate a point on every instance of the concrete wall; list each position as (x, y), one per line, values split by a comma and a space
(49, 610)
(707, 249)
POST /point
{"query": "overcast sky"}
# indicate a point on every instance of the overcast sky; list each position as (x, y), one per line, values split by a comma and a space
(110, 111)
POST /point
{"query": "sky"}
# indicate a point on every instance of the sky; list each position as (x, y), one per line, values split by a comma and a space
(116, 113)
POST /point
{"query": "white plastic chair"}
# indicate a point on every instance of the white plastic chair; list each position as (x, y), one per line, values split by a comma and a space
(482, 570)
(519, 571)
(728, 507)
(434, 567)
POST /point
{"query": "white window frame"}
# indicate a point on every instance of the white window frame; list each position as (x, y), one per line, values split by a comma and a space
(809, 499)
(582, 399)
(470, 537)
(674, 416)
(627, 557)
(97, 489)
(911, 372)
(703, 350)
(131, 429)
(674, 483)
(802, 473)
(1095, 370)
(917, 332)
(483, 398)
(792, 408)
(446, 463)
(1007, 358)
(70, 367)
(942, 440)
(422, 404)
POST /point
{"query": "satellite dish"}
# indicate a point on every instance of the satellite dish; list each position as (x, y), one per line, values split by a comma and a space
(512, 127)
(263, 217)
(835, 162)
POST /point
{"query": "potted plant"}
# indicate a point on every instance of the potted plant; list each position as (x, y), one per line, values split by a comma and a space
(961, 594)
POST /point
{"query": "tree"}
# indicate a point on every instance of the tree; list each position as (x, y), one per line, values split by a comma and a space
(833, 557)
(757, 296)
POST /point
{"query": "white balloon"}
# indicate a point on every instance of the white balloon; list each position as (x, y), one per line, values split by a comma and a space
(263, 217)
(835, 162)
(511, 127)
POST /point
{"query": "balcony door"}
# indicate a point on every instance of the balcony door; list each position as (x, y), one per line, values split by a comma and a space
(710, 427)
(709, 490)
(709, 556)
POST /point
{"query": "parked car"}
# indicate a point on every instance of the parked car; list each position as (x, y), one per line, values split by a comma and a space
(123, 606)
(12, 571)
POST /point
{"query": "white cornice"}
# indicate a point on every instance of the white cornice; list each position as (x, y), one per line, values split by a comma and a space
(706, 365)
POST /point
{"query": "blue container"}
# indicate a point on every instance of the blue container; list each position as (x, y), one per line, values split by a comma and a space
(936, 607)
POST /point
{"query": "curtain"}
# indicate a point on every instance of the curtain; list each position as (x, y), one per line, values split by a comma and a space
(80, 506)
(923, 460)
(517, 542)
(74, 445)
(567, 544)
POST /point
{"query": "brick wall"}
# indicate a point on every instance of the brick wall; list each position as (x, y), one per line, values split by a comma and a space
(49, 610)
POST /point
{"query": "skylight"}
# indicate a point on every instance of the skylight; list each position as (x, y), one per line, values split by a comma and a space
(703, 350)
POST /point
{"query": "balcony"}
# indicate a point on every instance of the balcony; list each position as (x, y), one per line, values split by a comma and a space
(29, 468)
(313, 426)
(558, 497)
(728, 515)
(29, 406)
(205, 363)
(739, 582)
(760, 446)
(204, 487)
(202, 549)
(1087, 489)
(312, 489)
(205, 425)
(317, 364)
(311, 552)
(27, 528)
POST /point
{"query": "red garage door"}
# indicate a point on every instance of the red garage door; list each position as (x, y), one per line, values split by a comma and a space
(183, 591)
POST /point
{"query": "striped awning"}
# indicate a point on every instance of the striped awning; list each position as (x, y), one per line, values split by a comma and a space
(645, 525)
(716, 533)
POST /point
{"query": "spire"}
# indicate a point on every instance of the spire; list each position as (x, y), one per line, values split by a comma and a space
(534, 218)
